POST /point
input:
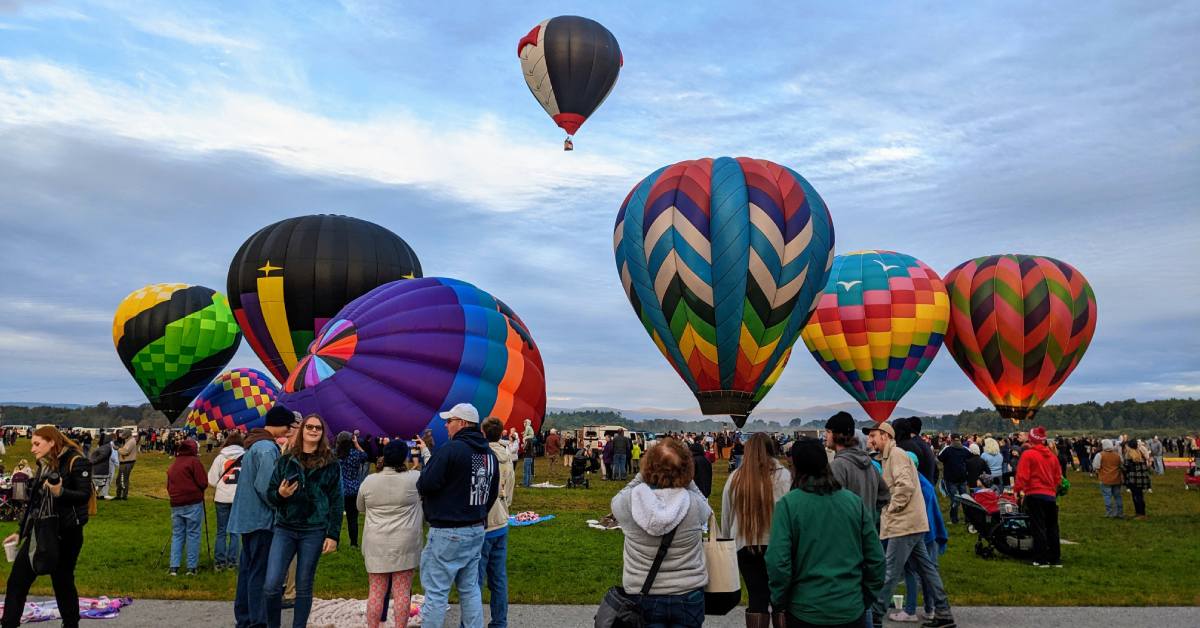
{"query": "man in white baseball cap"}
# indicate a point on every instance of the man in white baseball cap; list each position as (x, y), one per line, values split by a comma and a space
(458, 486)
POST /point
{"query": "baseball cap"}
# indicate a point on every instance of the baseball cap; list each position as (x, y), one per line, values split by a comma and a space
(464, 411)
(885, 427)
(840, 423)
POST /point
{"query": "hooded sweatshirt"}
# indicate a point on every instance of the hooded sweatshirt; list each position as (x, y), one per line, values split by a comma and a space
(1107, 464)
(781, 483)
(461, 481)
(645, 515)
(186, 479)
(219, 475)
(852, 468)
(1038, 472)
(497, 519)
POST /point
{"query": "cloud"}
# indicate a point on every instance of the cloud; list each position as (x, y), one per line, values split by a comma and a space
(194, 33)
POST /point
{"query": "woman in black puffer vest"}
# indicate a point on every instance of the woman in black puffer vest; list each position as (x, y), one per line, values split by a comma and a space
(63, 474)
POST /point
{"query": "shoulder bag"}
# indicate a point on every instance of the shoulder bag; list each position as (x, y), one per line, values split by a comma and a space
(724, 589)
(619, 609)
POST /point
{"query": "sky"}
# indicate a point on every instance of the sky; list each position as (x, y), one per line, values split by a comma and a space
(142, 142)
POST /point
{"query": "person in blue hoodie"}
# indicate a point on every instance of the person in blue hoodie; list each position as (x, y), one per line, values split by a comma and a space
(458, 486)
(253, 518)
(935, 543)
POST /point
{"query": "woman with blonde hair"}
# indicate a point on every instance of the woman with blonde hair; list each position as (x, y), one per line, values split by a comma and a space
(1137, 476)
(995, 461)
(62, 481)
(747, 504)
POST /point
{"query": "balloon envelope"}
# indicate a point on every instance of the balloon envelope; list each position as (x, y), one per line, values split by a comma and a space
(173, 338)
(1019, 324)
(570, 64)
(879, 323)
(722, 260)
(288, 279)
(236, 399)
(398, 355)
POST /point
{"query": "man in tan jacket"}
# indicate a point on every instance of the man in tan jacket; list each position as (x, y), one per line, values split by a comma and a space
(903, 525)
(127, 455)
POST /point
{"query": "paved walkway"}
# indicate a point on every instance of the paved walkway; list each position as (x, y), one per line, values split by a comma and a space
(159, 613)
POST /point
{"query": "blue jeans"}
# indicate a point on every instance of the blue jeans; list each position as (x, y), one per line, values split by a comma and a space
(1114, 501)
(527, 480)
(451, 557)
(493, 562)
(227, 544)
(910, 582)
(955, 489)
(305, 547)
(250, 608)
(685, 610)
(185, 527)
(620, 467)
(900, 550)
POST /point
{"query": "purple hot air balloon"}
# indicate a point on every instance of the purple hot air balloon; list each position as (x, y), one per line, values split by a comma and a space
(396, 356)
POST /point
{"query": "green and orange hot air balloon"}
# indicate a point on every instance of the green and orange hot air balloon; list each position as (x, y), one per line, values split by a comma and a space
(1019, 324)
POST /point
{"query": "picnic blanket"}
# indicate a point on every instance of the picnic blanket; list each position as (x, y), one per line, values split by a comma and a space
(546, 485)
(608, 522)
(89, 608)
(516, 523)
(345, 613)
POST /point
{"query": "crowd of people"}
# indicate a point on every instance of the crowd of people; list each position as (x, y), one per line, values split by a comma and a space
(824, 530)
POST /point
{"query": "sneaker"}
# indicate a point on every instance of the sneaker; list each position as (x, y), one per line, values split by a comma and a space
(925, 615)
(1056, 565)
(943, 622)
(173, 572)
(904, 617)
(191, 572)
(219, 567)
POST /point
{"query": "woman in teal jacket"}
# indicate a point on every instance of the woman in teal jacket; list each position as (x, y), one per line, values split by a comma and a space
(824, 560)
(306, 492)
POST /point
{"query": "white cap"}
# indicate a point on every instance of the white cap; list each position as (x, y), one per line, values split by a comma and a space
(464, 411)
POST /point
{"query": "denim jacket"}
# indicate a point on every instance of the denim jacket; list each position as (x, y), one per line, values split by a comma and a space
(251, 512)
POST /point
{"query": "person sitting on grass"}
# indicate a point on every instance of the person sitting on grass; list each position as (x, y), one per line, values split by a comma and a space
(186, 483)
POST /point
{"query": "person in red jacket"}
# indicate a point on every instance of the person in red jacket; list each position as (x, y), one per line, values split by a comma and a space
(186, 482)
(1038, 478)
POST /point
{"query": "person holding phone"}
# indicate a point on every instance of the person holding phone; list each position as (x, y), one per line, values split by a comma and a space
(306, 493)
(63, 474)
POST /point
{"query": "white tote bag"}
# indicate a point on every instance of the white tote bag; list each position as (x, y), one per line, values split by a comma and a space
(724, 589)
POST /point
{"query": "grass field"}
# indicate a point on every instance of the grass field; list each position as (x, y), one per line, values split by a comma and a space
(1122, 563)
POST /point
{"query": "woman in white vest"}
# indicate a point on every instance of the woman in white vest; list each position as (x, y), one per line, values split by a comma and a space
(391, 543)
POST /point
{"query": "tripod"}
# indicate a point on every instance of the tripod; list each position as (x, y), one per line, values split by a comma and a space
(207, 542)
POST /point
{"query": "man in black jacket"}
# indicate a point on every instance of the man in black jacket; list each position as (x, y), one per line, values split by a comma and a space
(908, 438)
(703, 477)
(954, 464)
(458, 486)
(622, 447)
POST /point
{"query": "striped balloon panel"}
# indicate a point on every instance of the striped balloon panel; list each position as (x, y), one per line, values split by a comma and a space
(399, 354)
(878, 325)
(722, 260)
(173, 339)
(236, 399)
(1019, 324)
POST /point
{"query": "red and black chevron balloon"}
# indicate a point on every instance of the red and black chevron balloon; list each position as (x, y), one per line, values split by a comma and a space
(1019, 324)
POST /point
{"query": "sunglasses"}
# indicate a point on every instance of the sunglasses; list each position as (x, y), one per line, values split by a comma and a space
(314, 428)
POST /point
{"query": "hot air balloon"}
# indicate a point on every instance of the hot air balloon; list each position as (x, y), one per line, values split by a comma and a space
(879, 323)
(398, 355)
(570, 64)
(173, 338)
(291, 277)
(1019, 324)
(723, 260)
(236, 399)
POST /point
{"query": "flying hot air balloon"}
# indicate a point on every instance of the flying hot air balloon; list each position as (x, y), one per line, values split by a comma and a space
(290, 278)
(396, 356)
(723, 260)
(570, 65)
(1019, 324)
(236, 399)
(173, 338)
(879, 323)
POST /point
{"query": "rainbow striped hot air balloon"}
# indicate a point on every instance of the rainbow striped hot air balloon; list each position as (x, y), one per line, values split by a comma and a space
(879, 323)
(1019, 324)
(396, 356)
(236, 399)
(722, 260)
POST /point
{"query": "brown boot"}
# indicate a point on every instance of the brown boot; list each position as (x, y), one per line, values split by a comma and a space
(779, 619)
(758, 620)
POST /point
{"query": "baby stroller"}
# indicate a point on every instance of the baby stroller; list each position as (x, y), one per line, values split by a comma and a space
(999, 524)
(1193, 474)
(579, 471)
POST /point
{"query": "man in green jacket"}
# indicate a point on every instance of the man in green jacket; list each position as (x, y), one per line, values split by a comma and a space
(824, 562)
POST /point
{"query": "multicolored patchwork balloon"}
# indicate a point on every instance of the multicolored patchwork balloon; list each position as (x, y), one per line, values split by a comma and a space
(723, 260)
(236, 399)
(879, 323)
(398, 355)
(1019, 324)
(288, 279)
(173, 338)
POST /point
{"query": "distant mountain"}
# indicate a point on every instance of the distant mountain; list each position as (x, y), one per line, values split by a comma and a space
(775, 415)
(42, 404)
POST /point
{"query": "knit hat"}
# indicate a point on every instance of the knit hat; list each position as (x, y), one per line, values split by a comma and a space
(279, 416)
(1037, 435)
(808, 457)
(395, 453)
(840, 423)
